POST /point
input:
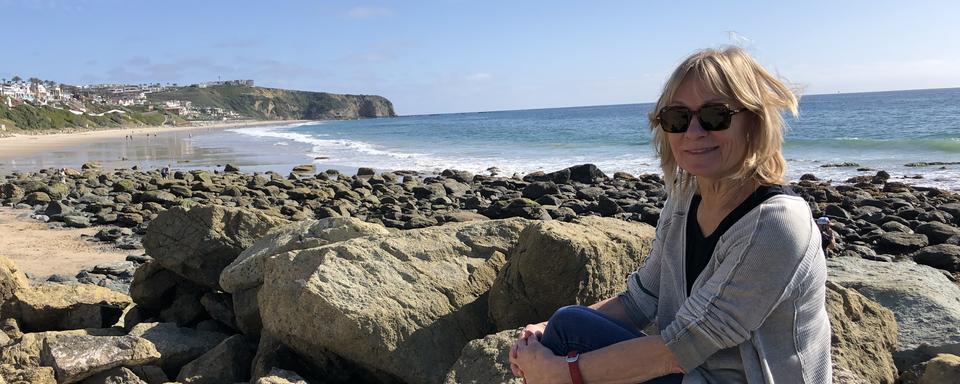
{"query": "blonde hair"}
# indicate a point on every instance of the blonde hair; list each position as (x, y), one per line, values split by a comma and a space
(733, 74)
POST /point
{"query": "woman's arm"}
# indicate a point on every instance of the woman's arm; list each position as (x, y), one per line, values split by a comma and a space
(617, 363)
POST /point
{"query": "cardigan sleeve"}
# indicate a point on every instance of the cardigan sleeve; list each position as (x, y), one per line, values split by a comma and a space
(643, 285)
(753, 277)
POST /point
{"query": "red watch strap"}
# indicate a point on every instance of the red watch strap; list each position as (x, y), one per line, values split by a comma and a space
(572, 358)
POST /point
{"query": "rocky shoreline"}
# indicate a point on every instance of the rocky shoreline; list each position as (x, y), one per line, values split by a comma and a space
(243, 269)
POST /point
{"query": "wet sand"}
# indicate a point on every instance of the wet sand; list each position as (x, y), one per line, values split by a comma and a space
(196, 147)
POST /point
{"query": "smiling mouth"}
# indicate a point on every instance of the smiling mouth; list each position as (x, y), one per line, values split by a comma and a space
(700, 151)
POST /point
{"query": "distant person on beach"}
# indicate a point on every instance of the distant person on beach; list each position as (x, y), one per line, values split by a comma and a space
(735, 277)
(165, 171)
(828, 238)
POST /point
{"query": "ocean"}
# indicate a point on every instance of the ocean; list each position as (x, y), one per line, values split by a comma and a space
(877, 131)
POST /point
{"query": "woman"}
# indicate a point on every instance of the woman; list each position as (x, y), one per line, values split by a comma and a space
(735, 277)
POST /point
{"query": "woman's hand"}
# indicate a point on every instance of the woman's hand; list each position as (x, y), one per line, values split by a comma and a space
(529, 330)
(536, 363)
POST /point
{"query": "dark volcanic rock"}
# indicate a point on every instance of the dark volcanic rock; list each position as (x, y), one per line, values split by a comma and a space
(900, 243)
(938, 232)
(942, 256)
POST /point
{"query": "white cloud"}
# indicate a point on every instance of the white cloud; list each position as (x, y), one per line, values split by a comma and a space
(368, 12)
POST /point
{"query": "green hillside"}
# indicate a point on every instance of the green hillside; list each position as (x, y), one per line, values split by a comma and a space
(31, 118)
(270, 103)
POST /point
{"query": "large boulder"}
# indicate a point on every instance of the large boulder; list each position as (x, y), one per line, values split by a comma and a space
(74, 358)
(924, 301)
(944, 368)
(25, 353)
(228, 362)
(938, 232)
(864, 335)
(899, 242)
(485, 360)
(403, 304)
(246, 271)
(12, 279)
(31, 375)
(198, 243)
(177, 346)
(48, 307)
(556, 264)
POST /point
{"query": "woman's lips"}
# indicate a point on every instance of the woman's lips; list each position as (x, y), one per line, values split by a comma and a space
(701, 151)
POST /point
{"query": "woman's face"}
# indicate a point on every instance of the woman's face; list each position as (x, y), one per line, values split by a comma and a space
(708, 155)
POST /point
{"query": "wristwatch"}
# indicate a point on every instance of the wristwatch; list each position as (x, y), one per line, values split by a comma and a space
(575, 375)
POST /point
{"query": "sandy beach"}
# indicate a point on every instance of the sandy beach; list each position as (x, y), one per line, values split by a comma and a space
(23, 144)
(42, 251)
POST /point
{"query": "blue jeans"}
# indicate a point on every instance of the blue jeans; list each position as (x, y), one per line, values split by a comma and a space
(583, 329)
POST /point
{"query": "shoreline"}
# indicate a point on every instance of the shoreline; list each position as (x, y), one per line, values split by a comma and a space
(25, 144)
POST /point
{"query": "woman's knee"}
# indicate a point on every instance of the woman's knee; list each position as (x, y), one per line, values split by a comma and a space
(572, 314)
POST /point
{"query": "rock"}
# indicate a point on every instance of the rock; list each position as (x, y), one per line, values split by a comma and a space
(942, 256)
(111, 234)
(150, 373)
(74, 358)
(228, 362)
(118, 375)
(937, 232)
(153, 286)
(305, 168)
(586, 173)
(281, 376)
(835, 211)
(607, 206)
(57, 208)
(537, 189)
(485, 360)
(246, 271)
(76, 221)
(864, 335)
(12, 280)
(185, 310)
(899, 243)
(48, 307)
(26, 352)
(198, 243)
(31, 375)
(91, 166)
(177, 346)
(220, 307)
(547, 268)
(231, 168)
(461, 216)
(519, 207)
(163, 198)
(944, 368)
(404, 303)
(925, 303)
(35, 198)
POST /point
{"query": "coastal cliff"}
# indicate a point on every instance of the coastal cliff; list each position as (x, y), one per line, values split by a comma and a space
(281, 104)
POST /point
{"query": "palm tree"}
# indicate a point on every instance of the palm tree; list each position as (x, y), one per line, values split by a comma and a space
(16, 79)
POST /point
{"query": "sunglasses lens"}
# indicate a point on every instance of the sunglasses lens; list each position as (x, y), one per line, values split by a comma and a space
(714, 117)
(675, 119)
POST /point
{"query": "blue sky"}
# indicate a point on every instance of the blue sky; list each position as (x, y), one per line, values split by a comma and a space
(457, 56)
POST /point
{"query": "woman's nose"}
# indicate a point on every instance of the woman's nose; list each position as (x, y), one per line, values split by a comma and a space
(694, 130)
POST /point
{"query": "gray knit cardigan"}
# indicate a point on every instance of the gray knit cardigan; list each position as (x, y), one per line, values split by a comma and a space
(756, 314)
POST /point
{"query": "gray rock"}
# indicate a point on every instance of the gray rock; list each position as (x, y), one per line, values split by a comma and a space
(899, 243)
(938, 232)
(485, 360)
(228, 362)
(942, 256)
(545, 270)
(74, 358)
(421, 297)
(177, 346)
(198, 243)
(118, 375)
(76, 221)
(925, 303)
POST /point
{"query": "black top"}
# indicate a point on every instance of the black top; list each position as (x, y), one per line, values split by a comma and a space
(700, 248)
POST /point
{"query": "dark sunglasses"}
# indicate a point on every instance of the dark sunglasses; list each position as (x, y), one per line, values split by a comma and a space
(712, 117)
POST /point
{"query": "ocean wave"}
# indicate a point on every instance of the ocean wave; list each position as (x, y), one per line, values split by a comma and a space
(948, 145)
